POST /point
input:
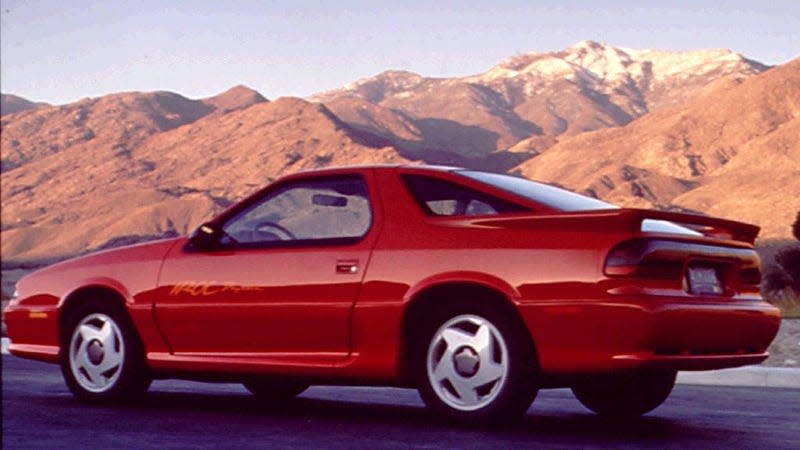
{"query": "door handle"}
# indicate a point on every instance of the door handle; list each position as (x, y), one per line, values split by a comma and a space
(348, 266)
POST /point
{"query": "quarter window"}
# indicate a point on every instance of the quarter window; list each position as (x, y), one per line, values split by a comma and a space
(328, 209)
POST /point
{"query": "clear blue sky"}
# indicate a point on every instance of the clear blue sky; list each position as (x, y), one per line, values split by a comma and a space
(60, 51)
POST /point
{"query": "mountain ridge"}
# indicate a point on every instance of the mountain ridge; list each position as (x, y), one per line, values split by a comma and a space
(134, 166)
(582, 88)
(10, 104)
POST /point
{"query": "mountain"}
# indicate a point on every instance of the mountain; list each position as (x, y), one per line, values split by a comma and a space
(706, 131)
(235, 98)
(115, 122)
(545, 95)
(159, 166)
(10, 104)
(731, 152)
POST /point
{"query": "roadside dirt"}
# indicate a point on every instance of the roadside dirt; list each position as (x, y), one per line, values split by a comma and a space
(785, 349)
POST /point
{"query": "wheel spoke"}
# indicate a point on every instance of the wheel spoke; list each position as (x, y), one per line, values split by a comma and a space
(444, 367)
(465, 389)
(81, 355)
(455, 337)
(111, 360)
(106, 334)
(80, 360)
(482, 340)
(89, 332)
(94, 375)
(488, 372)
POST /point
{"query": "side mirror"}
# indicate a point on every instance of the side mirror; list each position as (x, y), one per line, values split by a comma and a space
(206, 237)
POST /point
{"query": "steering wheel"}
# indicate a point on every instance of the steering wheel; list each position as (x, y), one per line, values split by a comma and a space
(283, 234)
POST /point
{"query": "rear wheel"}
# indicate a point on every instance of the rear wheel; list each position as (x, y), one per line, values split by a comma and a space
(473, 365)
(102, 358)
(628, 394)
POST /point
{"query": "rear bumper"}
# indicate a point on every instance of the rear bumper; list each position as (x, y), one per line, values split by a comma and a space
(687, 362)
(582, 337)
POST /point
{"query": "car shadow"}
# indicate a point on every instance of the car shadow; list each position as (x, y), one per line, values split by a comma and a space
(326, 413)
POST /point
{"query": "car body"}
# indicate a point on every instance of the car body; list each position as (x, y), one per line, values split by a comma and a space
(476, 288)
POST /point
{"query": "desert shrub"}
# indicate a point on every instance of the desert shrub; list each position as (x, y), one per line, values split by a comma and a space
(788, 262)
(774, 280)
(781, 276)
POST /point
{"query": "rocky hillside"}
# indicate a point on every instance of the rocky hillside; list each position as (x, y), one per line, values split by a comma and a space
(732, 152)
(586, 87)
(706, 131)
(131, 167)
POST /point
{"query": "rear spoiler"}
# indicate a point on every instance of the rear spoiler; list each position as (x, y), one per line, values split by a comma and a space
(622, 219)
(706, 225)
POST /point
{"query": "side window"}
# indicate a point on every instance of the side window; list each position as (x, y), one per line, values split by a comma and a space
(441, 198)
(334, 208)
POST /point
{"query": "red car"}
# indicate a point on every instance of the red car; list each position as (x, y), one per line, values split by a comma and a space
(476, 288)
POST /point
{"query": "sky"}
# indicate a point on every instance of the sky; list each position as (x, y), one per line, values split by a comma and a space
(65, 50)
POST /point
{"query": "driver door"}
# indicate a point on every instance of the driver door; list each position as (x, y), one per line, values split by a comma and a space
(283, 280)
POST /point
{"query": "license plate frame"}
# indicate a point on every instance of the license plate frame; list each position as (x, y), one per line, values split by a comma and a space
(704, 280)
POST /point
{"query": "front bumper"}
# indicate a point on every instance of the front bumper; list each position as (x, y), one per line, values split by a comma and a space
(33, 332)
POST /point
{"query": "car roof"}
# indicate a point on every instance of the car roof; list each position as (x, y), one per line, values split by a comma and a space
(345, 168)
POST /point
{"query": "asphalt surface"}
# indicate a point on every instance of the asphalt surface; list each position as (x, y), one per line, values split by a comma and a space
(38, 411)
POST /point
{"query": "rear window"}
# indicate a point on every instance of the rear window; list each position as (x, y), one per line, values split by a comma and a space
(564, 200)
(556, 198)
(441, 198)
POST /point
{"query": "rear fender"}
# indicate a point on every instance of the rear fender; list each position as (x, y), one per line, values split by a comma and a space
(464, 277)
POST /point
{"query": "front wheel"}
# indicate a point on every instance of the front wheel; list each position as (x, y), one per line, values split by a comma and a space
(626, 394)
(473, 365)
(102, 358)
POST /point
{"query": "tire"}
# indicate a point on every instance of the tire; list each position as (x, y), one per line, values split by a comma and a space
(102, 357)
(275, 390)
(626, 395)
(472, 364)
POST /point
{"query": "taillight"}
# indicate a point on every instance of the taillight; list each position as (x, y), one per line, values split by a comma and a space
(625, 258)
(650, 258)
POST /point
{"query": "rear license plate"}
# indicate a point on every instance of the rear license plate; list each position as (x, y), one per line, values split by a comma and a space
(704, 281)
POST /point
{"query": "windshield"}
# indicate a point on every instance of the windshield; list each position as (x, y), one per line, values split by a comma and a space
(551, 196)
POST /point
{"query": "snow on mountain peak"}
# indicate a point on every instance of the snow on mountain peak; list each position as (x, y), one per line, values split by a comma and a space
(665, 64)
(592, 66)
(387, 83)
(601, 60)
(587, 60)
(590, 60)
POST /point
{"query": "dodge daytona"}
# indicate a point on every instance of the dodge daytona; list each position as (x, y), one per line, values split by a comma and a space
(478, 289)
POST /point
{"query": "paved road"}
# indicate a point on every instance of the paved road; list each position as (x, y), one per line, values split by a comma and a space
(39, 412)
